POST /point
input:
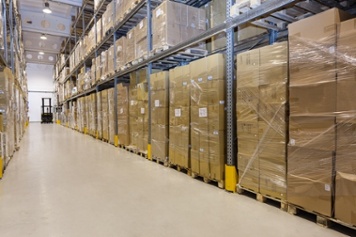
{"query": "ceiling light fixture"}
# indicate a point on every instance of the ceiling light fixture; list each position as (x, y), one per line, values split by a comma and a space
(46, 9)
(43, 37)
(41, 53)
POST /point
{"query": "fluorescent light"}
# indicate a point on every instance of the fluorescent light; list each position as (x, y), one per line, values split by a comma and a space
(43, 36)
(41, 53)
(47, 9)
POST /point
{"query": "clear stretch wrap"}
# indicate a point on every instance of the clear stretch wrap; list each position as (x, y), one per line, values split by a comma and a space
(98, 68)
(120, 52)
(174, 23)
(345, 184)
(72, 116)
(138, 110)
(111, 115)
(99, 31)
(179, 116)
(105, 114)
(141, 39)
(99, 106)
(130, 46)
(108, 17)
(110, 59)
(160, 114)
(123, 114)
(314, 110)
(207, 109)
(262, 81)
(104, 65)
(92, 126)
(120, 4)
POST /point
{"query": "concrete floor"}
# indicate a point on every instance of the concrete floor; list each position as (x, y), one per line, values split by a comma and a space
(62, 183)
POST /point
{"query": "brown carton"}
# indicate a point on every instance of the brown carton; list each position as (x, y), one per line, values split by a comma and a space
(345, 197)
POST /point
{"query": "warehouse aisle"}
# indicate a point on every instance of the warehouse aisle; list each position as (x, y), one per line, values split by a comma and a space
(62, 183)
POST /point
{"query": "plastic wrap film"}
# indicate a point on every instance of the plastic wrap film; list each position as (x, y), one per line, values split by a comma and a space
(130, 47)
(138, 110)
(99, 106)
(111, 115)
(345, 164)
(262, 77)
(91, 40)
(105, 114)
(313, 106)
(160, 114)
(7, 109)
(141, 39)
(207, 112)
(97, 4)
(120, 5)
(92, 108)
(123, 114)
(120, 52)
(179, 116)
(99, 31)
(110, 60)
(104, 65)
(174, 23)
(72, 115)
(98, 68)
(108, 17)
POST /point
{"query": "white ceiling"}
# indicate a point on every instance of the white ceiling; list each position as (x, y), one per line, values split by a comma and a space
(56, 26)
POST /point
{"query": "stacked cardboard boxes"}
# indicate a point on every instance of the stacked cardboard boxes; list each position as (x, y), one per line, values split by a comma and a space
(160, 114)
(261, 119)
(345, 184)
(111, 115)
(179, 116)
(120, 52)
(99, 106)
(141, 39)
(133, 113)
(174, 23)
(110, 59)
(142, 115)
(92, 108)
(123, 114)
(108, 18)
(208, 117)
(105, 114)
(312, 129)
(130, 46)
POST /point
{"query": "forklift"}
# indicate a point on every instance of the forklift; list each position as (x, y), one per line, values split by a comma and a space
(47, 115)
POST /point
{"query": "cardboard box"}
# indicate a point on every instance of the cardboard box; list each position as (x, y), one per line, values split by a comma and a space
(313, 99)
(174, 23)
(130, 48)
(345, 197)
(120, 52)
(315, 132)
(141, 39)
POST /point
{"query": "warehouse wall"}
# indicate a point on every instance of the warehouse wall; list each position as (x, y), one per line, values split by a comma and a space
(40, 82)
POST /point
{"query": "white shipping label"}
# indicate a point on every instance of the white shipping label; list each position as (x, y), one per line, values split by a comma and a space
(327, 188)
(200, 79)
(156, 103)
(203, 112)
(292, 142)
(185, 83)
(332, 49)
(129, 35)
(159, 12)
(121, 110)
(210, 78)
(216, 132)
(178, 112)
(141, 25)
(142, 110)
(132, 102)
(201, 149)
(222, 102)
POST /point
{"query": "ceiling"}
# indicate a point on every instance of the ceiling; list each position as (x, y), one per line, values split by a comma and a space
(56, 26)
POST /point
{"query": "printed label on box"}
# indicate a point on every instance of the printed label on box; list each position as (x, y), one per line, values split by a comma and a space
(121, 111)
(292, 142)
(185, 83)
(178, 112)
(141, 24)
(142, 110)
(203, 112)
(222, 102)
(210, 78)
(159, 12)
(327, 188)
(132, 102)
(156, 103)
(200, 79)
(216, 132)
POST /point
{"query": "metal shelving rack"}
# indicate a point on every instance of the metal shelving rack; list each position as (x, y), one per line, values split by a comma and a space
(273, 15)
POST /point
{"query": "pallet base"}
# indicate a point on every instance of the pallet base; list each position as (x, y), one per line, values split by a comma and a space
(160, 161)
(219, 183)
(263, 197)
(180, 169)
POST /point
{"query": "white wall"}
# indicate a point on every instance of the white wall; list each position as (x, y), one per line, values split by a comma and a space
(40, 80)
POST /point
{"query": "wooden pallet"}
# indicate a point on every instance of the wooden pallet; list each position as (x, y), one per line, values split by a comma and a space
(144, 154)
(132, 149)
(163, 162)
(320, 219)
(219, 183)
(180, 169)
(263, 197)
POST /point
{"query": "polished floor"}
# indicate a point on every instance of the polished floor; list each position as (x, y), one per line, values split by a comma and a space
(63, 183)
